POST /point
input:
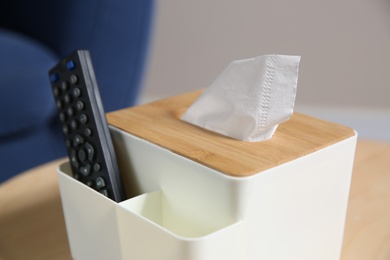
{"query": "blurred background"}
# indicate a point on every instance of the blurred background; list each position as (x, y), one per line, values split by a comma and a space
(344, 73)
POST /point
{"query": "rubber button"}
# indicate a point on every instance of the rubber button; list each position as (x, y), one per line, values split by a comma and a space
(83, 118)
(97, 167)
(76, 92)
(71, 65)
(59, 104)
(64, 85)
(90, 151)
(85, 170)
(54, 77)
(56, 91)
(88, 132)
(77, 140)
(62, 117)
(73, 159)
(104, 192)
(80, 105)
(73, 124)
(65, 129)
(100, 183)
(73, 79)
(82, 155)
(67, 98)
(70, 111)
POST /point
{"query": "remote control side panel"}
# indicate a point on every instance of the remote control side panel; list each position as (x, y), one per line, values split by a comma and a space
(84, 125)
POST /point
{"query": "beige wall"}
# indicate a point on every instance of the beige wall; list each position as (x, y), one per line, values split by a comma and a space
(344, 44)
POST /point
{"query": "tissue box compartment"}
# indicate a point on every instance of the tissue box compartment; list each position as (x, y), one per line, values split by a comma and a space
(198, 195)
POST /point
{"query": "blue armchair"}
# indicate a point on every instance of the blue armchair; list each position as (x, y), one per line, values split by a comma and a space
(34, 36)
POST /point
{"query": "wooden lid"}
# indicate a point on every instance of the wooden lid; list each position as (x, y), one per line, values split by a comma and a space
(159, 122)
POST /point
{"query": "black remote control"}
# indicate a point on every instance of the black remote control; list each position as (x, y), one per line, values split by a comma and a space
(84, 125)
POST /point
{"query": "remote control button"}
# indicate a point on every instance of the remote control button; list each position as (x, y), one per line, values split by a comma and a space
(67, 98)
(104, 192)
(64, 85)
(77, 140)
(85, 170)
(89, 183)
(56, 91)
(70, 111)
(82, 155)
(54, 77)
(83, 118)
(80, 105)
(71, 65)
(100, 183)
(76, 176)
(73, 79)
(59, 104)
(62, 117)
(74, 124)
(76, 92)
(88, 132)
(73, 159)
(90, 151)
(65, 129)
(68, 143)
(97, 167)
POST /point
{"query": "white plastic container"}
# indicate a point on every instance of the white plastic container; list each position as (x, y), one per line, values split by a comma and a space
(184, 210)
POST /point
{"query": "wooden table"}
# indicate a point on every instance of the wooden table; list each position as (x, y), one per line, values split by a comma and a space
(367, 229)
(32, 225)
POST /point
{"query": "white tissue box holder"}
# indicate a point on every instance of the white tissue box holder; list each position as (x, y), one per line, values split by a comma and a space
(188, 203)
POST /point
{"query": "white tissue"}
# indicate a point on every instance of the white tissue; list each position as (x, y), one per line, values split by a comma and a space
(249, 99)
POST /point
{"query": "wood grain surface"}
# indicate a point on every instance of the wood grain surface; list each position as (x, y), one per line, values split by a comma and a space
(32, 224)
(367, 229)
(159, 122)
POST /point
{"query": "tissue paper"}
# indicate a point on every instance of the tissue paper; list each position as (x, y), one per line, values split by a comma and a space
(249, 99)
